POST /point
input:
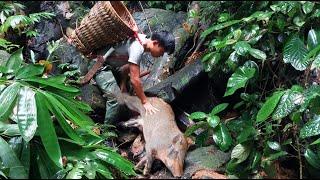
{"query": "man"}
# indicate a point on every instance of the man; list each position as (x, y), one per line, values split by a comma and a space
(133, 49)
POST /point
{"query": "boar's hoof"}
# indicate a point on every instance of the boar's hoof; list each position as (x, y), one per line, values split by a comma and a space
(147, 163)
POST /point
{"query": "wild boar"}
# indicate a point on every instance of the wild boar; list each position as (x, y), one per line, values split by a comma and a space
(163, 139)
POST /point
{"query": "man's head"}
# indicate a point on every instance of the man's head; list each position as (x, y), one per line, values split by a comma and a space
(161, 42)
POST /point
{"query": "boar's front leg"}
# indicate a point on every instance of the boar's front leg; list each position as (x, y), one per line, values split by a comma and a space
(146, 162)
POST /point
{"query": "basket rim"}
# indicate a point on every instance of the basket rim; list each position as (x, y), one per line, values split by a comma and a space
(128, 12)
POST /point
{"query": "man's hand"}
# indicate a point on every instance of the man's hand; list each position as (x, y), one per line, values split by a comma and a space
(149, 108)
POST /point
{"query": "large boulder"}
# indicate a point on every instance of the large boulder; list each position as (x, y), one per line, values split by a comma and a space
(92, 95)
(176, 83)
(159, 19)
(48, 29)
(67, 53)
(205, 158)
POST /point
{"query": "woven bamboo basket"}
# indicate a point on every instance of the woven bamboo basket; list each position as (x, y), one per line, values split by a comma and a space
(107, 22)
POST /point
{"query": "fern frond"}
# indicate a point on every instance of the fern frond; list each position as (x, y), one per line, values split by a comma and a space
(13, 21)
(36, 17)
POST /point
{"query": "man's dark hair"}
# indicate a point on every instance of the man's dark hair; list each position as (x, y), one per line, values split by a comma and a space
(165, 39)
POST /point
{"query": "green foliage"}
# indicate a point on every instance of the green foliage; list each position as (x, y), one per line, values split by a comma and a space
(169, 5)
(221, 134)
(44, 113)
(13, 18)
(267, 50)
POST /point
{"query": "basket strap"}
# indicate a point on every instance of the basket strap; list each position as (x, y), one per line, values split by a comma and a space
(135, 34)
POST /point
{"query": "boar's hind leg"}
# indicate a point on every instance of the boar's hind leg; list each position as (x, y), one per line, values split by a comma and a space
(133, 122)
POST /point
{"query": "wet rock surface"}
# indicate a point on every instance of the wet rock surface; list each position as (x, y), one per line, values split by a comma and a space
(202, 163)
(159, 19)
(67, 53)
(176, 83)
(92, 95)
(205, 158)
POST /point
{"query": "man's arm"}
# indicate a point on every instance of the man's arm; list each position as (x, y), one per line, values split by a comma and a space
(137, 85)
(136, 82)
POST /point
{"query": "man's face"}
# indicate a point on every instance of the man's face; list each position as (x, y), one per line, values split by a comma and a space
(156, 50)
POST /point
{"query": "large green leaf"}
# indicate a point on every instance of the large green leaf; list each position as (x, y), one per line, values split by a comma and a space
(29, 71)
(67, 109)
(197, 115)
(299, 21)
(259, 15)
(9, 129)
(10, 160)
(312, 128)
(194, 127)
(311, 93)
(222, 137)
(307, 7)
(102, 170)
(258, 54)
(240, 152)
(59, 79)
(256, 160)
(47, 131)
(239, 79)
(27, 113)
(218, 27)
(116, 160)
(52, 84)
(316, 62)
(275, 156)
(213, 120)
(44, 164)
(269, 106)
(288, 102)
(295, 52)
(74, 109)
(248, 132)
(313, 39)
(7, 99)
(218, 108)
(15, 60)
(90, 170)
(211, 62)
(274, 145)
(242, 47)
(77, 171)
(64, 124)
(73, 113)
(25, 156)
(312, 158)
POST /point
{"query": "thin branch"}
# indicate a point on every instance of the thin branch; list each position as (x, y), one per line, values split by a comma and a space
(145, 17)
(299, 153)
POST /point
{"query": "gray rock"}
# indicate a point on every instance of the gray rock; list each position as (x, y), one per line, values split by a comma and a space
(67, 53)
(204, 158)
(176, 83)
(201, 158)
(92, 95)
(48, 29)
(159, 19)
